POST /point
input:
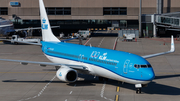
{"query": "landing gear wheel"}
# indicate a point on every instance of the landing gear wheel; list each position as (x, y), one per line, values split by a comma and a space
(138, 90)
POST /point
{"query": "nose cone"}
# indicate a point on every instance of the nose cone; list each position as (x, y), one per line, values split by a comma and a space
(149, 74)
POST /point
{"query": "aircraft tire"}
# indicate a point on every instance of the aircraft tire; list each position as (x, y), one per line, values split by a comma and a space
(138, 90)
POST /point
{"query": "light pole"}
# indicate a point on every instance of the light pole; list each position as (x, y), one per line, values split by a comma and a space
(140, 6)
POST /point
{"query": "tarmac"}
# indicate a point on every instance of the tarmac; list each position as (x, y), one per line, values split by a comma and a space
(35, 83)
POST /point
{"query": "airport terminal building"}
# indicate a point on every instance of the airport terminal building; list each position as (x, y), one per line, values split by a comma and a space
(73, 15)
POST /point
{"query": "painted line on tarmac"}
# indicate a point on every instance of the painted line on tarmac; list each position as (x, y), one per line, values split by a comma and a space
(71, 92)
(116, 98)
(101, 42)
(40, 93)
(87, 41)
(117, 89)
(102, 92)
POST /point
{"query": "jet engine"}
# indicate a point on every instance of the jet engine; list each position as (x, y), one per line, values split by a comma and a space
(67, 74)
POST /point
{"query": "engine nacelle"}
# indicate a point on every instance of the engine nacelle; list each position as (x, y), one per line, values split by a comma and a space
(67, 74)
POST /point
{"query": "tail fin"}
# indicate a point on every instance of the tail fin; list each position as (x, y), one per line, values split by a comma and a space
(47, 34)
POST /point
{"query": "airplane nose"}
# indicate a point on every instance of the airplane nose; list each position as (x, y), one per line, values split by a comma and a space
(150, 75)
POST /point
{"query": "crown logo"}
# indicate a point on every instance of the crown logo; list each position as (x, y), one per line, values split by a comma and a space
(44, 20)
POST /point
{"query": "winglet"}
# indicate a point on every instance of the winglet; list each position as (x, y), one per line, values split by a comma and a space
(162, 53)
(172, 44)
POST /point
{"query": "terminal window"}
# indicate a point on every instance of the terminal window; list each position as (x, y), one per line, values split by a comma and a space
(3, 11)
(115, 11)
(58, 10)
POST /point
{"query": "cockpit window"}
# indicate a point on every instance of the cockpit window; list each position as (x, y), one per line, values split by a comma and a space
(142, 66)
(135, 66)
(149, 65)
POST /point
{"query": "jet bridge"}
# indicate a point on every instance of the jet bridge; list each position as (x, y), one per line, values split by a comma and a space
(168, 21)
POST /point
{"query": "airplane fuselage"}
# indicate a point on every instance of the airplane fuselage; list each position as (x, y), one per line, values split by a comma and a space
(117, 65)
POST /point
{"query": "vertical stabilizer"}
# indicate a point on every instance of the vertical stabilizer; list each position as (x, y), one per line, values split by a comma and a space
(47, 34)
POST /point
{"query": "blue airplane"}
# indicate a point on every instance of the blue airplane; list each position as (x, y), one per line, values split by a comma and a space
(105, 63)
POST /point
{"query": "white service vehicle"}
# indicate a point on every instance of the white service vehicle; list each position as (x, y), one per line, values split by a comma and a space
(16, 38)
(129, 37)
(83, 33)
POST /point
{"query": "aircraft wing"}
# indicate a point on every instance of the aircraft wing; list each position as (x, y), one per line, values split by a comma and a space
(6, 25)
(44, 64)
(33, 28)
(38, 44)
(162, 53)
(69, 39)
(30, 43)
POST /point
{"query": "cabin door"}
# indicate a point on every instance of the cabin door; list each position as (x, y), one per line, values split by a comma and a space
(125, 68)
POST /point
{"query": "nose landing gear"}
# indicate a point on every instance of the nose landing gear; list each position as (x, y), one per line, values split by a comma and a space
(138, 88)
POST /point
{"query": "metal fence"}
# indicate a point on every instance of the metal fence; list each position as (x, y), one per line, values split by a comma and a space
(128, 31)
